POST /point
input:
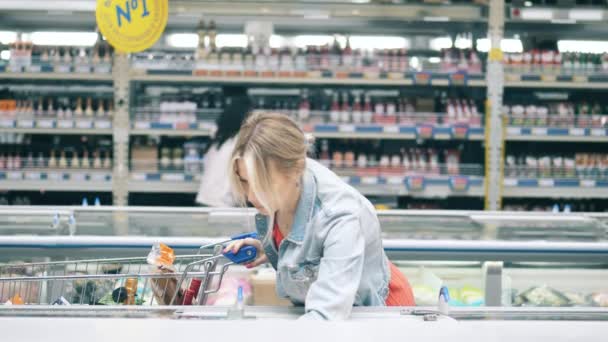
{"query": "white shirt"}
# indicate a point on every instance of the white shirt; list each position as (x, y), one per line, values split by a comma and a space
(215, 189)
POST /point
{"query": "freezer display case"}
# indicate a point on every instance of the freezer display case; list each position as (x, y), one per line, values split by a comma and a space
(485, 259)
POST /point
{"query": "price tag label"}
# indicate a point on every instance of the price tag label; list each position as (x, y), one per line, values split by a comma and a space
(513, 130)
(172, 177)
(580, 79)
(598, 132)
(587, 183)
(460, 131)
(34, 68)
(25, 123)
(14, 175)
(394, 180)
(63, 68)
(65, 124)
(369, 180)
(546, 182)
(577, 132)
(55, 176)
(396, 75)
(105, 124)
(7, 123)
(548, 78)
(78, 176)
(347, 128)
(510, 182)
(539, 131)
(84, 124)
(35, 176)
(45, 123)
(142, 125)
(83, 69)
(415, 183)
(103, 69)
(459, 183)
(138, 176)
(392, 129)
(99, 177)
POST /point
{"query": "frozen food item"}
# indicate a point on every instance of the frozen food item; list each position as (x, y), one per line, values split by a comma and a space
(425, 296)
(17, 300)
(161, 255)
(599, 299)
(471, 296)
(576, 299)
(541, 296)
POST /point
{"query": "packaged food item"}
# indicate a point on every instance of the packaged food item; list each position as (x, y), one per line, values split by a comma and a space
(161, 255)
(541, 296)
(131, 288)
(599, 299)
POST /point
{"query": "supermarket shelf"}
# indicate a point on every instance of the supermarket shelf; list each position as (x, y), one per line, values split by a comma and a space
(201, 129)
(557, 134)
(56, 181)
(379, 80)
(418, 186)
(54, 76)
(555, 188)
(401, 132)
(556, 81)
(52, 126)
(163, 182)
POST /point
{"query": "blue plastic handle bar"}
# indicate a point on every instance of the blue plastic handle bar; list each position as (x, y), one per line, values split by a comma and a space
(244, 255)
(252, 235)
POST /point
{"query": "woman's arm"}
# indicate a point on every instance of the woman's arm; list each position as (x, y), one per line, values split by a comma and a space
(332, 295)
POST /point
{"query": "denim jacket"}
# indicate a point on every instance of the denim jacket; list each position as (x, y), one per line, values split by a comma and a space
(333, 257)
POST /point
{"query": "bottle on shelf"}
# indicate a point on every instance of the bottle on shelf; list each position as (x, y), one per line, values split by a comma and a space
(334, 114)
(52, 161)
(97, 160)
(357, 114)
(86, 163)
(367, 110)
(304, 108)
(63, 162)
(345, 109)
(107, 161)
(89, 109)
(75, 163)
(78, 112)
(100, 109)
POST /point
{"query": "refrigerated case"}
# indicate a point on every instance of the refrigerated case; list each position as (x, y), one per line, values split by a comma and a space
(484, 258)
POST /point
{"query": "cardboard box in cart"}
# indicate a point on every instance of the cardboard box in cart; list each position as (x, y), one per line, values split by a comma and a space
(263, 285)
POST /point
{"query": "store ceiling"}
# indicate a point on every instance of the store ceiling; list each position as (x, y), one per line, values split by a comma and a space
(297, 17)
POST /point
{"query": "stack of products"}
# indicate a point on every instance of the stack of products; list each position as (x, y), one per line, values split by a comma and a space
(559, 114)
(581, 165)
(408, 162)
(56, 108)
(66, 158)
(147, 155)
(554, 62)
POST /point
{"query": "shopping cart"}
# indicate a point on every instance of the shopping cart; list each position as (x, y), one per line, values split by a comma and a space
(122, 281)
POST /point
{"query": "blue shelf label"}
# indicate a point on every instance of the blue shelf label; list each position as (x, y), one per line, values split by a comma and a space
(424, 131)
(458, 79)
(415, 183)
(459, 183)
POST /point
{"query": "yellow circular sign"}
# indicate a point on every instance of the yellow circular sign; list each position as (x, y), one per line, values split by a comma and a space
(132, 25)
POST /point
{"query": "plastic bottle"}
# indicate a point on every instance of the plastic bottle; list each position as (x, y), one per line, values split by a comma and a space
(237, 311)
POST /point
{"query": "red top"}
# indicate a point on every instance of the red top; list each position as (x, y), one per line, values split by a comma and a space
(399, 290)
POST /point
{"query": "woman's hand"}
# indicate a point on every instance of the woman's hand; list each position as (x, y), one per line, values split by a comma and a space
(236, 245)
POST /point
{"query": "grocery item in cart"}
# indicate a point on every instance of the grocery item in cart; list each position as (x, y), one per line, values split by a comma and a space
(161, 255)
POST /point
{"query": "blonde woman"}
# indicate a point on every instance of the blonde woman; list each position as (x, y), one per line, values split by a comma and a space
(322, 236)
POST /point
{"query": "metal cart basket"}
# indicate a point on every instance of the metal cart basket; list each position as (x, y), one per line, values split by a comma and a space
(122, 281)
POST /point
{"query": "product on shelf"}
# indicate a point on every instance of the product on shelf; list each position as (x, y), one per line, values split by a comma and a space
(581, 165)
(558, 114)
(554, 62)
(27, 57)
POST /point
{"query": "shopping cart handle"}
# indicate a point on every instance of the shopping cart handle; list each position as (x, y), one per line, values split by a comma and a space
(244, 255)
(252, 235)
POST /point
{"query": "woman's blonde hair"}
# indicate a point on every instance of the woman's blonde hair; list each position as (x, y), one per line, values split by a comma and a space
(266, 141)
